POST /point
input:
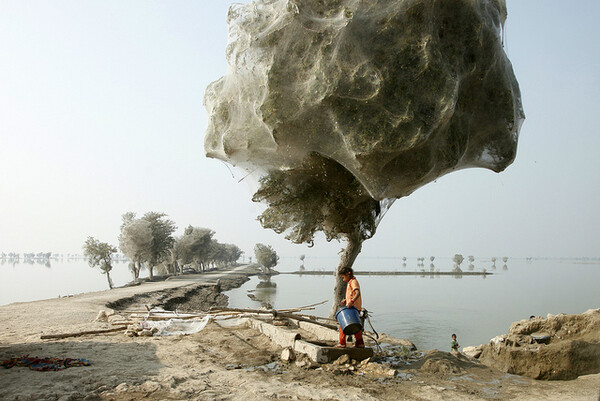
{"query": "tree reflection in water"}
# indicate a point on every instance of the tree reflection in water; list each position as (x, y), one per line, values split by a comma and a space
(265, 292)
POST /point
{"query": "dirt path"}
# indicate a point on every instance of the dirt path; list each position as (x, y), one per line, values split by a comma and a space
(225, 363)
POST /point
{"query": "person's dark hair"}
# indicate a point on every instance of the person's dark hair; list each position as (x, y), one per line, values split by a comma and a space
(346, 270)
(453, 335)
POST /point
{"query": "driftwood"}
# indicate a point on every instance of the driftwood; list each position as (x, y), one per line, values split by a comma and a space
(327, 319)
(276, 313)
(81, 333)
(301, 308)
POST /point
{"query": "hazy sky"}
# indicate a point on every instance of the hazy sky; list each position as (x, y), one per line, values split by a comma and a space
(101, 113)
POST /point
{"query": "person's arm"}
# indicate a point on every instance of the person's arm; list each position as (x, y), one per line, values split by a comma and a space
(353, 297)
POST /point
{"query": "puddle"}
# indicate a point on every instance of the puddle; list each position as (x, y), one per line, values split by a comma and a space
(397, 355)
(404, 376)
(470, 378)
(272, 367)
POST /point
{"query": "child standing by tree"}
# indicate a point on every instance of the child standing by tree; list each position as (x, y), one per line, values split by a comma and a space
(353, 299)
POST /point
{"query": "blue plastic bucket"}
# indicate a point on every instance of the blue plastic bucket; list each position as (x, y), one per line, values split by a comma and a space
(349, 320)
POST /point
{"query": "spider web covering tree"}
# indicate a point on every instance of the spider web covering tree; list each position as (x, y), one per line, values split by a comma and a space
(383, 95)
(135, 241)
(322, 196)
(147, 240)
(99, 254)
(266, 257)
(198, 248)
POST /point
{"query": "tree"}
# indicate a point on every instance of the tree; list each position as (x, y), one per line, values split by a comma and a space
(195, 246)
(99, 254)
(232, 253)
(384, 116)
(146, 240)
(320, 196)
(266, 256)
(135, 241)
(162, 238)
(224, 254)
(457, 259)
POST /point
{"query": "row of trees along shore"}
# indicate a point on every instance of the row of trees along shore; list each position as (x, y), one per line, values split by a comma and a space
(148, 242)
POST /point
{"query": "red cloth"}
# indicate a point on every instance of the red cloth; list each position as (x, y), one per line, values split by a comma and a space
(359, 338)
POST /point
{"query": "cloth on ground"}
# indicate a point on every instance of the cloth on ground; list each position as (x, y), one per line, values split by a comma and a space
(43, 364)
(174, 327)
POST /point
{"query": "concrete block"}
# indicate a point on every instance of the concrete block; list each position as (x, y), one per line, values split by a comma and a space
(321, 354)
(313, 351)
(285, 337)
(320, 332)
(279, 335)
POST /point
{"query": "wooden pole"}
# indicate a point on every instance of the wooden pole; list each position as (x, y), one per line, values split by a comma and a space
(276, 313)
(81, 333)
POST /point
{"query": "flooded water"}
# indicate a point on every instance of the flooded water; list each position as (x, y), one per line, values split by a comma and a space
(24, 281)
(424, 308)
(428, 309)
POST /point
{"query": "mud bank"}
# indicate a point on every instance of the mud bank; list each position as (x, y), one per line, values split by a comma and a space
(204, 292)
(560, 347)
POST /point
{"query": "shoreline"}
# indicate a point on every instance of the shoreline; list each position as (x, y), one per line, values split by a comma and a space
(225, 363)
(389, 273)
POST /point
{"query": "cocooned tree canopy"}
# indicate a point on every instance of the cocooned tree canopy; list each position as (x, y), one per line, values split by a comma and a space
(398, 92)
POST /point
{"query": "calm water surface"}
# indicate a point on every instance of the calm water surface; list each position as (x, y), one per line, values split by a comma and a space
(428, 309)
(20, 282)
(425, 309)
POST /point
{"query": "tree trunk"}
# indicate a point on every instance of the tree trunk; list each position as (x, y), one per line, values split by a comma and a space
(353, 248)
(138, 269)
(110, 282)
(151, 270)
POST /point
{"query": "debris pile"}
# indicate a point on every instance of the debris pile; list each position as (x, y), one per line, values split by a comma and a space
(560, 347)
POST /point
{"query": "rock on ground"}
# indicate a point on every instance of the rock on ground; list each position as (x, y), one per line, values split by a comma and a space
(558, 347)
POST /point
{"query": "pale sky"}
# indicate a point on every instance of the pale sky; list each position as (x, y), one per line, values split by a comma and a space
(101, 113)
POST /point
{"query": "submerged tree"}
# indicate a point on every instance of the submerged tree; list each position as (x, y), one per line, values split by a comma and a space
(99, 254)
(266, 256)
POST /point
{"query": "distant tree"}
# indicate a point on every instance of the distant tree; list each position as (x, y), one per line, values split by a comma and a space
(218, 257)
(195, 246)
(162, 238)
(320, 196)
(458, 259)
(171, 262)
(135, 241)
(232, 253)
(224, 254)
(99, 254)
(266, 256)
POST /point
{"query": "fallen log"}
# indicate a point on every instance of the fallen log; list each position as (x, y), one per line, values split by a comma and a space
(276, 313)
(81, 333)
(301, 308)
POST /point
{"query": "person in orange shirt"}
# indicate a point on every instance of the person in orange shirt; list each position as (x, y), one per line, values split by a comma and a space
(353, 299)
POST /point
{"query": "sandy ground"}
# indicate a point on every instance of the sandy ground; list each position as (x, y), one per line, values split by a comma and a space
(226, 363)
